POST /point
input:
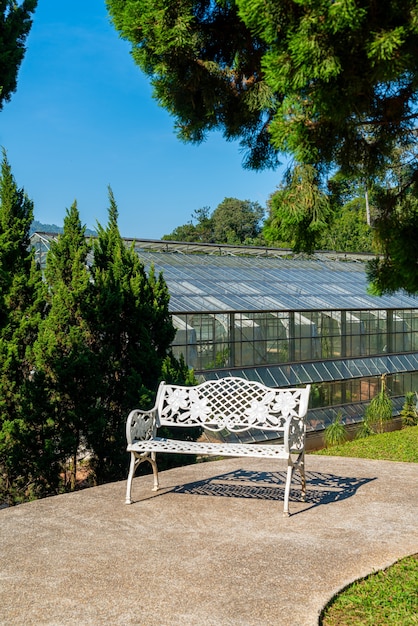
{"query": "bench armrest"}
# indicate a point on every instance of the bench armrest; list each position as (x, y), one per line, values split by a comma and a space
(141, 425)
(294, 434)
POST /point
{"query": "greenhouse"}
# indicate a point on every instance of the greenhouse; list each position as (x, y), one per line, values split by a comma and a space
(286, 320)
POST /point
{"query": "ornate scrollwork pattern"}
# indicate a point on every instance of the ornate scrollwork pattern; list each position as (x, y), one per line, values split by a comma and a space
(296, 435)
(141, 425)
(233, 403)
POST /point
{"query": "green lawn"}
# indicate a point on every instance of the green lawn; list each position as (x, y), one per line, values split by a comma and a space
(400, 445)
(390, 597)
(387, 598)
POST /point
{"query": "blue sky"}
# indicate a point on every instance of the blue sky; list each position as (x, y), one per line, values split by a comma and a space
(83, 118)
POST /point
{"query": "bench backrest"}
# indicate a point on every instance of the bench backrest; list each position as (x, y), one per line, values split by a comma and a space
(230, 403)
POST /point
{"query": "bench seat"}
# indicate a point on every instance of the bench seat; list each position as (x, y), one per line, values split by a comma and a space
(160, 444)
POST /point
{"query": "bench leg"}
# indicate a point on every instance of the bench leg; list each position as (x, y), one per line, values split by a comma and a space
(132, 468)
(301, 466)
(153, 462)
(135, 461)
(287, 488)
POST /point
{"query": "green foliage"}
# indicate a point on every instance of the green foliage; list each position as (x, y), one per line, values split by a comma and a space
(409, 413)
(176, 372)
(132, 334)
(380, 409)
(336, 432)
(25, 432)
(333, 219)
(299, 211)
(396, 229)
(329, 83)
(384, 598)
(332, 84)
(343, 76)
(187, 232)
(399, 445)
(204, 66)
(306, 215)
(364, 430)
(348, 231)
(15, 24)
(77, 352)
(233, 221)
(200, 231)
(63, 346)
(221, 359)
(237, 221)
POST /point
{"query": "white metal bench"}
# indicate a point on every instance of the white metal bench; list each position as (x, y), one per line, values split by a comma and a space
(232, 404)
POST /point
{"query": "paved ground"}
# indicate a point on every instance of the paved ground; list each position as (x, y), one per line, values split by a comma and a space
(211, 548)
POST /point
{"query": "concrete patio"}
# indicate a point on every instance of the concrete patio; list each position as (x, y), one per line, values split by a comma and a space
(210, 548)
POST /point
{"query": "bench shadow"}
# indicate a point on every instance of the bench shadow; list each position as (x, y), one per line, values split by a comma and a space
(321, 488)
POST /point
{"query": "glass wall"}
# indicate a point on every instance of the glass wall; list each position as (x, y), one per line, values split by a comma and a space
(216, 340)
(360, 389)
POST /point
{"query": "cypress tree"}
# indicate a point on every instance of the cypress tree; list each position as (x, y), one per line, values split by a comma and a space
(22, 436)
(78, 351)
(64, 347)
(132, 337)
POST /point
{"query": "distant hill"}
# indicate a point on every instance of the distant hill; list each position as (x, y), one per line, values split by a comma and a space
(38, 227)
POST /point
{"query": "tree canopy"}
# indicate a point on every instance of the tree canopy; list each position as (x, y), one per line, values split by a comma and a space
(332, 84)
(237, 221)
(233, 221)
(205, 67)
(328, 82)
(303, 214)
(15, 24)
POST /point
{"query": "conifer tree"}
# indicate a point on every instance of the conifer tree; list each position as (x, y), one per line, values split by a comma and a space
(64, 347)
(15, 24)
(22, 437)
(132, 337)
(78, 351)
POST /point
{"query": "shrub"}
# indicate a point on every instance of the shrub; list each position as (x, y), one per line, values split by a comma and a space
(409, 413)
(380, 409)
(336, 432)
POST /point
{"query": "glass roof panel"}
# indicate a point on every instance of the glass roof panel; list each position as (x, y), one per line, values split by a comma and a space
(232, 278)
(287, 375)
